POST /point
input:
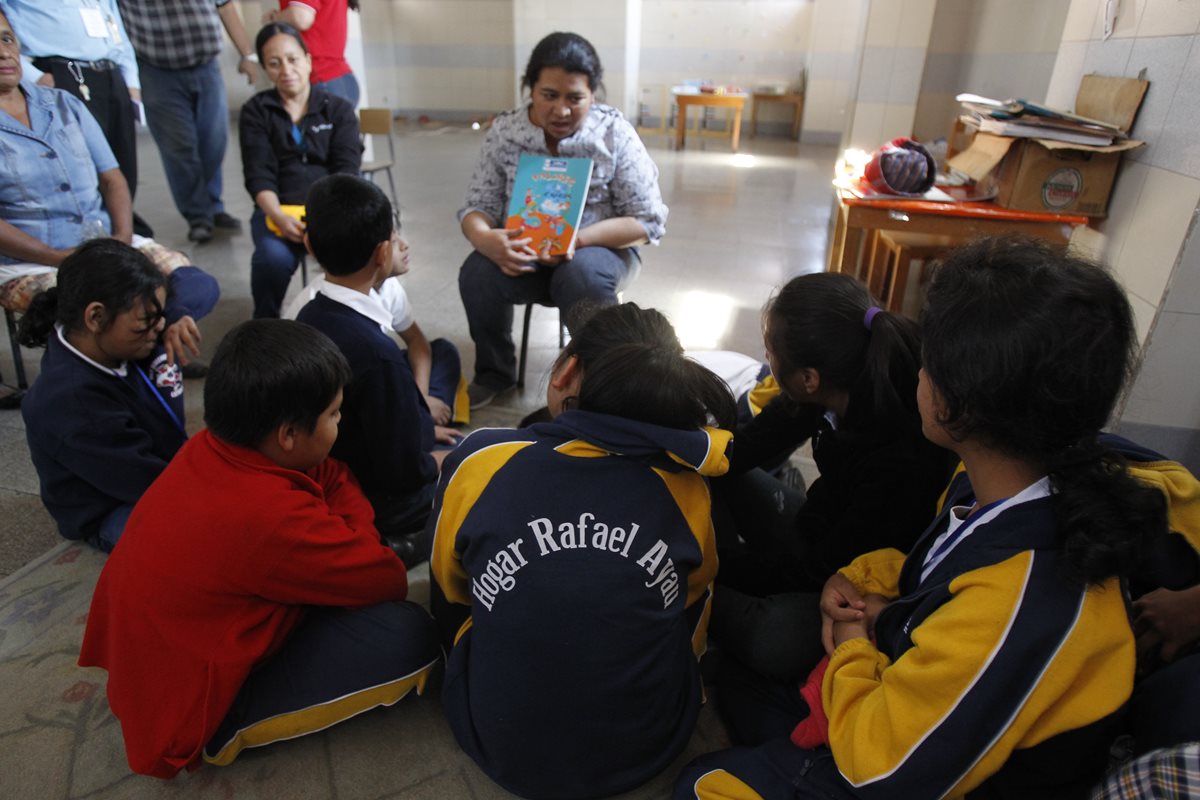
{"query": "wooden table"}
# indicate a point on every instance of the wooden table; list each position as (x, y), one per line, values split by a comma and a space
(858, 219)
(735, 101)
(795, 99)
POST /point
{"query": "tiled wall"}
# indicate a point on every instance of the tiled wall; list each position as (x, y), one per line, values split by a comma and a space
(605, 25)
(1148, 237)
(834, 62)
(893, 59)
(996, 48)
(741, 42)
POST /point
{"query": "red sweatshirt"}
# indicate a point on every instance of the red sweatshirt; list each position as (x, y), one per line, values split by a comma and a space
(212, 573)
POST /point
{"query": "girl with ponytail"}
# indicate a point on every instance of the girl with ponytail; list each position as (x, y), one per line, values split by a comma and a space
(572, 564)
(105, 414)
(846, 375)
(995, 658)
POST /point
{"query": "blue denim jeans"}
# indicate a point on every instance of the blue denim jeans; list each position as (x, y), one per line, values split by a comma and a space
(189, 119)
(271, 266)
(344, 86)
(594, 275)
(111, 528)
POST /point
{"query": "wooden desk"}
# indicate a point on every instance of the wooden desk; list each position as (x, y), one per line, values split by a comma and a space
(857, 219)
(793, 98)
(735, 101)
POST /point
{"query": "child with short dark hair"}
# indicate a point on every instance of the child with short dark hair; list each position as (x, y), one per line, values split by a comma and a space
(398, 398)
(250, 599)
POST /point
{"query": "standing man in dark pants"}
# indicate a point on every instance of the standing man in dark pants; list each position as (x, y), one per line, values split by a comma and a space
(82, 47)
(177, 43)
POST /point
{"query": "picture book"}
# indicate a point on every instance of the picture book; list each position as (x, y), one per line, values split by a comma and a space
(548, 197)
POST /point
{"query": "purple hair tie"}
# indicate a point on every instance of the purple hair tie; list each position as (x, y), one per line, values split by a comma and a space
(869, 317)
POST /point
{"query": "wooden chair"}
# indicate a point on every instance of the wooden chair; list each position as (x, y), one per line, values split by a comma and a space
(890, 261)
(378, 122)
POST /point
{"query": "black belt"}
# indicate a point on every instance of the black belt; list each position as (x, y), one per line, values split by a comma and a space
(103, 65)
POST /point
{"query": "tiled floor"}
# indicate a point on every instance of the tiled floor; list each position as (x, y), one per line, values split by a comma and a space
(739, 226)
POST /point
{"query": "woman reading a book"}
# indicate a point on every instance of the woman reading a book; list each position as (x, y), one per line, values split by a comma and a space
(623, 208)
(291, 136)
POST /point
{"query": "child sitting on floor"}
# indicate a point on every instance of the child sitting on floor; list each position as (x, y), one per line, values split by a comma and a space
(250, 599)
(573, 565)
(1003, 659)
(106, 413)
(388, 440)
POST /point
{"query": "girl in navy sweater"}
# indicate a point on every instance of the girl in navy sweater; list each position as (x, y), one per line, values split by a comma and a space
(846, 371)
(106, 412)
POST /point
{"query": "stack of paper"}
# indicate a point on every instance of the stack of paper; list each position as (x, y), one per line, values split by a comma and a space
(1021, 118)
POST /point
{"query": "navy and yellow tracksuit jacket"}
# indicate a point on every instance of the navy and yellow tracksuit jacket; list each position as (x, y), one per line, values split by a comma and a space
(582, 550)
(996, 668)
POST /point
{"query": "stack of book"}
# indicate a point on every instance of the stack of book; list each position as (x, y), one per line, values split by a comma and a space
(1021, 118)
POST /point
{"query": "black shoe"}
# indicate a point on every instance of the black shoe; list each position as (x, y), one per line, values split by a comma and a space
(10, 397)
(226, 221)
(141, 227)
(193, 369)
(408, 547)
(200, 231)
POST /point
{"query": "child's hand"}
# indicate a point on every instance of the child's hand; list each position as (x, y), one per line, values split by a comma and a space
(1166, 622)
(438, 410)
(443, 435)
(840, 602)
(875, 604)
(180, 339)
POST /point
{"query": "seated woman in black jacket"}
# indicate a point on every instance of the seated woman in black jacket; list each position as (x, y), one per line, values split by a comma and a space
(291, 136)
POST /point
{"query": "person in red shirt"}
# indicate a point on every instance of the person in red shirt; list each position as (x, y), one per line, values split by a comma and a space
(250, 599)
(322, 23)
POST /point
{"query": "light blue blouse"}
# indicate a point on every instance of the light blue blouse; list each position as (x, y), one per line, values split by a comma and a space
(49, 172)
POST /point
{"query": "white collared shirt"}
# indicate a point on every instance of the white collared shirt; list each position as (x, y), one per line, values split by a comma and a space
(388, 305)
(120, 371)
(959, 514)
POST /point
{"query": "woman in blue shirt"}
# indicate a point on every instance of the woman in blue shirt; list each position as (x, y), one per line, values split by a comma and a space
(59, 185)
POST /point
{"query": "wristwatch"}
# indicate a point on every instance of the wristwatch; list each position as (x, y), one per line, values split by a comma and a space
(251, 57)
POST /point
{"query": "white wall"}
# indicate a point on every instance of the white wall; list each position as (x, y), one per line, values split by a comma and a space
(893, 61)
(1149, 237)
(996, 48)
(745, 43)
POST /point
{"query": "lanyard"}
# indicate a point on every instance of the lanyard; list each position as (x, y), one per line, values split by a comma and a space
(958, 533)
(154, 391)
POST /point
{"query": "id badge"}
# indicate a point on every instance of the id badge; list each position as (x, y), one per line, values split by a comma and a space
(93, 23)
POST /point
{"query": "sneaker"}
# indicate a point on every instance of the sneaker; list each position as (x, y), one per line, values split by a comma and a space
(10, 396)
(226, 221)
(480, 395)
(408, 547)
(193, 369)
(141, 227)
(199, 231)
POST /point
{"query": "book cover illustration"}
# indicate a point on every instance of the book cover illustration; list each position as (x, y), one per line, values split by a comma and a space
(548, 197)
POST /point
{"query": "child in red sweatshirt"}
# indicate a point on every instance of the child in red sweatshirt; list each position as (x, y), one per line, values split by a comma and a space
(250, 599)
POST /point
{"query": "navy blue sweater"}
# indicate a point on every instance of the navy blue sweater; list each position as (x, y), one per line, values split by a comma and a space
(583, 552)
(386, 432)
(98, 440)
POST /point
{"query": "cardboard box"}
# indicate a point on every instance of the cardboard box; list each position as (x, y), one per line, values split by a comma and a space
(1046, 175)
